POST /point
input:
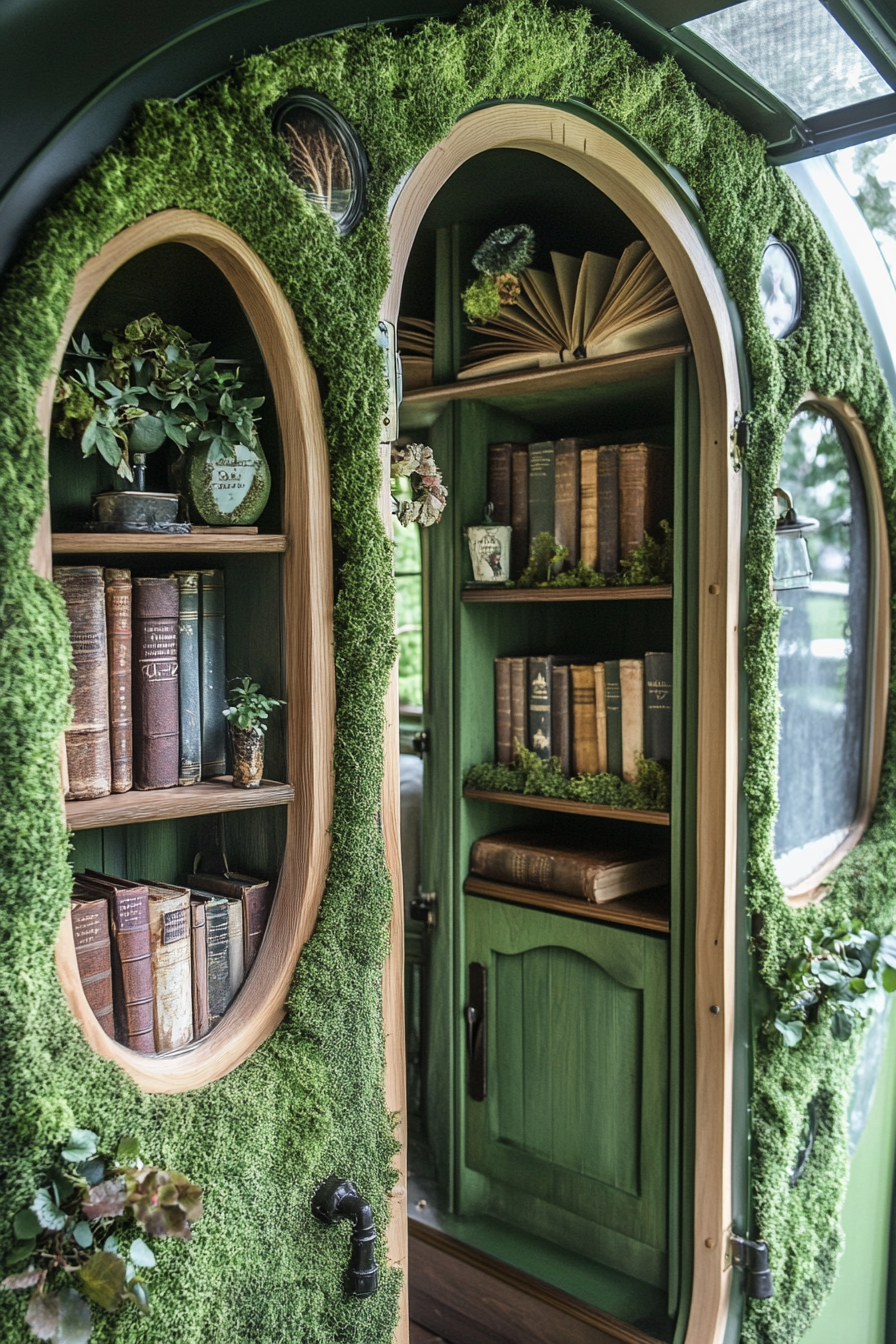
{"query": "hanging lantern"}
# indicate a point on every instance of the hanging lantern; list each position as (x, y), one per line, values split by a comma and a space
(792, 565)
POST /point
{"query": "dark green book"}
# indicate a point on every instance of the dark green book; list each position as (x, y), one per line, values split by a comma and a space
(541, 489)
(217, 943)
(539, 707)
(614, 717)
(212, 672)
(658, 707)
(190, 768)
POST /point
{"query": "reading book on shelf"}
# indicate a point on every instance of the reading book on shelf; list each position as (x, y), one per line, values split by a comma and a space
(545, 862)
(87, 744)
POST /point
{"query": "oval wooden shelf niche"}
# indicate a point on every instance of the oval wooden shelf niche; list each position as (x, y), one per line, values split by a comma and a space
(308, 636)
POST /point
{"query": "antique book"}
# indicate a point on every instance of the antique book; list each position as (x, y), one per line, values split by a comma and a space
(631, 695)
(256, 896)
(416, 342)
(132, 995)
(539, 707)
(93, 953)
(645, 493)
(584, 723)
(172, 987)
(500, 472)
(200, 969)
(541, 489)
(658, 707)
(503, 726)
(545, 862)
(155, 684)
(190, 751)
(600, 716)
(588, 531)
(608, 509)
(566, 498)
(588, 308)
(613, 703)
(519, 714)
(217, 942)
(235, 942)
(212, 673)
(519, 512)
(561, 716)
(87, 738)
(118, 640)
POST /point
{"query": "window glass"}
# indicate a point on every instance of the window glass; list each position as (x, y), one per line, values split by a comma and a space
(822, 651)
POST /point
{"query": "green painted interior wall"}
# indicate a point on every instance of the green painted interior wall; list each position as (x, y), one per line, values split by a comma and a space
(311, 1098)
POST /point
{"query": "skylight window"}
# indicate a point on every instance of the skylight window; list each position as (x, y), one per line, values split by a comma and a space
(797, 50)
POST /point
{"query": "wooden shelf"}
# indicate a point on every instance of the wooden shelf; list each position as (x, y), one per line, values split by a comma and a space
(634, 593)
(193, 800)
(154, 543)
(571, 808)
(643, 910)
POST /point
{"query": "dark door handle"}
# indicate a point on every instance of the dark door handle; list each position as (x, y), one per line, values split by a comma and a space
(474, 1016)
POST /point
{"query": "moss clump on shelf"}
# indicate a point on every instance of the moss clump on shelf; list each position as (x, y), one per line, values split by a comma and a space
(649, 792)
(650, 563)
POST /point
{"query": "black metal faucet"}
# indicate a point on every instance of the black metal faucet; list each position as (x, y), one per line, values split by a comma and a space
(337, 1199)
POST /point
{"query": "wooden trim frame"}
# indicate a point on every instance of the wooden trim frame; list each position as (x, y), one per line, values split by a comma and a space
(812, 888)
(658, 214)
(308, 649)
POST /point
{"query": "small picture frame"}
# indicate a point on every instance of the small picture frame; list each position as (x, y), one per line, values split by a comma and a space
(326, 158)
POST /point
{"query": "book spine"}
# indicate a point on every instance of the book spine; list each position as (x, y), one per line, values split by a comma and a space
(584, 723)
(588, 532)
(631, 694)
(541, 870)
(519, 512)
(658, 707)
(200, 970)
(132, 970)
(645, 481)
(560, 716)
(539, 707)
(566, 499)
(256, 909)
(519, 719)
(600, 716)
(169, 936)
(217, 924)
(87, 739)
(614, 718)
(212, 673)
(93, 953)
(155, 684)
(541, 489)
(235, 938)
(118, 639)
(500, 457)
(503, 725)
(608, 509)
(190, 761)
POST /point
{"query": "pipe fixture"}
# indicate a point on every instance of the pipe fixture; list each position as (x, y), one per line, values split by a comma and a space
(337, 1199)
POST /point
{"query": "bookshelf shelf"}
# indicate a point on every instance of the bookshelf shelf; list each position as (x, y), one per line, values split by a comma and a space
(570, 808)
(644, 910)
(632, 594)
(141, 543)
(194, 800)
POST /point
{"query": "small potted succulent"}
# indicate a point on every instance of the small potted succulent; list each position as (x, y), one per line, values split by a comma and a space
(246, 715)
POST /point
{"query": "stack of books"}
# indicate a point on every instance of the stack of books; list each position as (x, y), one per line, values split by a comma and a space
(416, 342)
(544, 862)
(596, 718)
(161, 964)
(596, 500)
(150, 681)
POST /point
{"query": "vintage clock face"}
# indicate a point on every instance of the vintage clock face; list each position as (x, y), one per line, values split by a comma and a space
(326, 158)
(780, 288)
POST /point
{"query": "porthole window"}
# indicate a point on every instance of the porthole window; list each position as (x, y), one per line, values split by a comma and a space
(326, 158)
(828, 656)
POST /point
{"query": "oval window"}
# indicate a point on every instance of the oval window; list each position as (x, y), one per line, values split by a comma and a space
(824, 655)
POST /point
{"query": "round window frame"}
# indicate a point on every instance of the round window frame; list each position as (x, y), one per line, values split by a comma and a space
(308, 100)
(770, 242)
(811, 888)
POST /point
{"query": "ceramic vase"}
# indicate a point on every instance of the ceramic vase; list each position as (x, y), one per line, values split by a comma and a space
(231, 491)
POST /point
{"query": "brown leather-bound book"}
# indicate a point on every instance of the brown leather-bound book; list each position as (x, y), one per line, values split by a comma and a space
(567, 496)
(541, 861)
(87, 739)
(131, 961)
(156, 715)
(588, 532)
(608, 509)
(118, 638)
(631, 687)
(645, 493)
(500, 471)
(200, 969)
(584, 723)
(256, 896)
(561, 719)
(503, 727)
(519, 712)
(172, 970)
(519, 512)
(600, 715)
(93, 952)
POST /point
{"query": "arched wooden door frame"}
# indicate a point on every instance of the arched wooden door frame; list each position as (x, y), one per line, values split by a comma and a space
(656, 211)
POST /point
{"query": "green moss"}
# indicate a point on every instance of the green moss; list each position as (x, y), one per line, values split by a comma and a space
(310, 1101)
(650, 791)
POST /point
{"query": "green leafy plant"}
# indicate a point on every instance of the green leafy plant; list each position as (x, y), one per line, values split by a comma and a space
(841, 975)
(75, 1242)
(153, 384)
(650, 791)
(248, 708)
(651, 562)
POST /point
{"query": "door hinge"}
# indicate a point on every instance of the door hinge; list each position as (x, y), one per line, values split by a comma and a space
(420, 742)
(422, 908)
(752, 1258)
(740, 439)
(385, 335)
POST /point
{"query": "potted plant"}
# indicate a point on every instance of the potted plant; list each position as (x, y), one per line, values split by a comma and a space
(247, 718)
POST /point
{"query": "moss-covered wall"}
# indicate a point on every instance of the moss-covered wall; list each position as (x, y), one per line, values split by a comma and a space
(311, 1099)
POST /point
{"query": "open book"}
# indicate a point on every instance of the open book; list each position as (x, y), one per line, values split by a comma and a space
(587, 309)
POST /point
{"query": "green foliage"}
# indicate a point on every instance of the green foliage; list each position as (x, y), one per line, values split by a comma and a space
(650, 791)
(511, 248)
(650, 562)
(544, 558)
(248, 708)
(481, 299)
(840, 975)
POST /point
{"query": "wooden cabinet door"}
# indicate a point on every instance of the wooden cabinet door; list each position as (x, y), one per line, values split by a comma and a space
(575, 1116)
